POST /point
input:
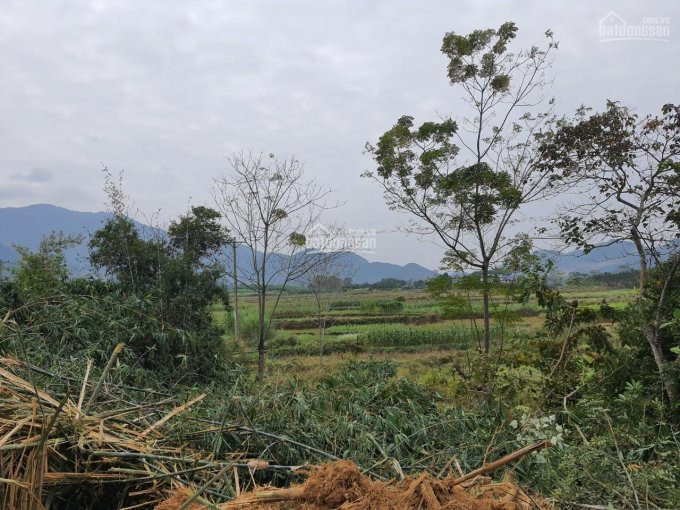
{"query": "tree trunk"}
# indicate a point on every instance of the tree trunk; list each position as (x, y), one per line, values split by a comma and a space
(666, 372)
(235, 294)
(262, 333)
(651, 331)
(322, 332)
(485, 306)
(635, 237)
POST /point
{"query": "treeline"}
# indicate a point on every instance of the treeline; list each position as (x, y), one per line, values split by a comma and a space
(334, 282)
(624, 279)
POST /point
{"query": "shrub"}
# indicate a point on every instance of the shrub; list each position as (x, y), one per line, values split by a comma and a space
(382, 306)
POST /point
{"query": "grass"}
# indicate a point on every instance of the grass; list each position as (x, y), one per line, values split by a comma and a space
(397, 325)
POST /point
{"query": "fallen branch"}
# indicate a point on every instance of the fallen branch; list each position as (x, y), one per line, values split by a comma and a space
(175, 411)
(502, 461)
(97, 389)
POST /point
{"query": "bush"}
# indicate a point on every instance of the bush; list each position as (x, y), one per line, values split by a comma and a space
(156, 300)
(84, 327)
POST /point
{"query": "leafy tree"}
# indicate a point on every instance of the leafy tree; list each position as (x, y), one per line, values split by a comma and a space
(626, 171)
(42, 273)
(177, 275)
(198, 235)
(119, 250)
(465, 181)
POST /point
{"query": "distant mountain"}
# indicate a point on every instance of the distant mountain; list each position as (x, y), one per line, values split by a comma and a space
(601, 259)
(363, 271)
(28, 225)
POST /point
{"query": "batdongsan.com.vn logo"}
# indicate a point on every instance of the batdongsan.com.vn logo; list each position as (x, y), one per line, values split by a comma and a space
(652, 28)
(326, 238)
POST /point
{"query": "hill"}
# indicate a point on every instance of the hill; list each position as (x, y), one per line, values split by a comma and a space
(28, 225)
(604, 259)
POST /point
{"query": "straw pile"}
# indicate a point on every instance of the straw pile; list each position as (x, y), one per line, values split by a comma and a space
(98, 448)
(91, 450)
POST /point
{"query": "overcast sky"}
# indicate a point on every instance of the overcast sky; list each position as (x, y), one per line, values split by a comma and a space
(164, 89)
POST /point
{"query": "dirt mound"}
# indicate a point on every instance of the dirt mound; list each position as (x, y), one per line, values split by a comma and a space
(342, 486)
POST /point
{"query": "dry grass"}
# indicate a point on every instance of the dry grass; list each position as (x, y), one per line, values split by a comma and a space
(53, 449)
(342, 485)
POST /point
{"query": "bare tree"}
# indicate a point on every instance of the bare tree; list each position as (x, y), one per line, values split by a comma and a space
(269, 207)
(325, 283)
(465, 182)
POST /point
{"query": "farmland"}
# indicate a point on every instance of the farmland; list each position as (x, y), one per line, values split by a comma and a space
(416, 335)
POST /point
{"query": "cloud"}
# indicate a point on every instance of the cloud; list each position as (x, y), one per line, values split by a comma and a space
(17, 193)
(34, 175)
(163, 89)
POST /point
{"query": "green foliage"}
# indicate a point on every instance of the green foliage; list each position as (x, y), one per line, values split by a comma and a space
(459, 336)
(626, 163)
(198, 234)
(624, 278)
(382, 306)
(521, 387)
(157, 300)
(89, 326)
(396, 153)
(364, 413)
(41, 274)
(120, 251)
(389, 284)
(479, 55)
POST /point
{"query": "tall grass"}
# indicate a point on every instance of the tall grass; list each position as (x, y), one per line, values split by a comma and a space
(248, 324)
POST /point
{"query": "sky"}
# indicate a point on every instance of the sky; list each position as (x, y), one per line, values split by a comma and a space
(164, 90)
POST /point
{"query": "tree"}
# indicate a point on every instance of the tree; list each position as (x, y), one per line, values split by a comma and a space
(324, 283)
(42, 273)
(269, 207)
(625, 170)
(177, 276)
(120, 251)
(192, 276)
(468, 193)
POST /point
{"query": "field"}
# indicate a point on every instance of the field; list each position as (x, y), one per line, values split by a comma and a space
(401, 325)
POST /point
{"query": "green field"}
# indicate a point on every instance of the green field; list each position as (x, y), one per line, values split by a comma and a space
(366, 325)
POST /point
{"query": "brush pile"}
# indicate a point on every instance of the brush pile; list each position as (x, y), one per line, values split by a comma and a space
(94, 449)
(88, 445)
(342, 485)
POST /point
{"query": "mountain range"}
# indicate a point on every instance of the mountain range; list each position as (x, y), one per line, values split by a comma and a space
(28, 225)
(603, 259)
